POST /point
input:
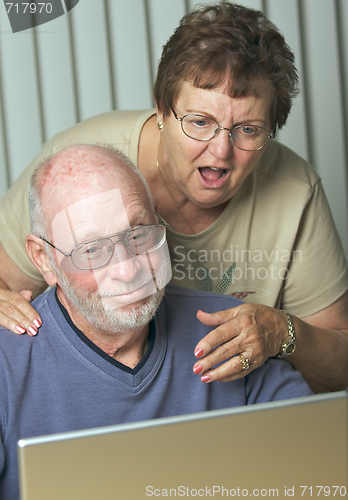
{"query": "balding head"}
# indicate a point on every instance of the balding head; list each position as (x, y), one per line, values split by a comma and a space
(76, 173)
(96, 235)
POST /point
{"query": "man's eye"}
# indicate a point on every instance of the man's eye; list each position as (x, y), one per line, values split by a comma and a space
(89, 252)
(139, 237)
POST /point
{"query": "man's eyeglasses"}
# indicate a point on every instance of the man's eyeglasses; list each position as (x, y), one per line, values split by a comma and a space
(245, 137)
(97, 253)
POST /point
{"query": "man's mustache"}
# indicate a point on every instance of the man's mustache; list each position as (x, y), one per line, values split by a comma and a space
(124, 288)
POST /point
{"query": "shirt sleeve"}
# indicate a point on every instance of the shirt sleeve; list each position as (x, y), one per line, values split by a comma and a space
(275, 380)
(14, 217)
(318, 273)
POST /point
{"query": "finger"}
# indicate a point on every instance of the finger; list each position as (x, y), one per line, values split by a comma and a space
(208, 319)
(222, 353)
(27, 295)
(216, 337)
(17, 322)
(230, 370)
(217, 318)
(18, 315)
(20, 302)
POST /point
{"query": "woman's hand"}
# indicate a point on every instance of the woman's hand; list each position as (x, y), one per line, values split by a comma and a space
(16, 314)
(252, 330)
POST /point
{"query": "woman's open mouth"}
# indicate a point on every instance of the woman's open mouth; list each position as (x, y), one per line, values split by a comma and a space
(213, 177)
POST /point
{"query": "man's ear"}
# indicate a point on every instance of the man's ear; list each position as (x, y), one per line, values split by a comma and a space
(36, 251)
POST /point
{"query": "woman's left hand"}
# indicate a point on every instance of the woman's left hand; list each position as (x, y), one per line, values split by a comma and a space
(253, 331)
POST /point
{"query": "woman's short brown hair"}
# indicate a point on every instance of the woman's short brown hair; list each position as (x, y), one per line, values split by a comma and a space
(233, 43)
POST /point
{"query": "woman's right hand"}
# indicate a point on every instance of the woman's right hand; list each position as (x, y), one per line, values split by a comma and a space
(16, 313)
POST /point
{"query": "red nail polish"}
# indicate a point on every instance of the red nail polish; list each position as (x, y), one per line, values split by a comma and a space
(20, 329)
(199, 353)
(205, 378)
(197, 369)
(32, 331)
(37, 323)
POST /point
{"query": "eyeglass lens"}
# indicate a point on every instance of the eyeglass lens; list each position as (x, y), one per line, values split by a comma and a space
(203, 128)
(139, 241)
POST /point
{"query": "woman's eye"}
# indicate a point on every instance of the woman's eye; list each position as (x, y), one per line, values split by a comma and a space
(247, 129)
(201, 123)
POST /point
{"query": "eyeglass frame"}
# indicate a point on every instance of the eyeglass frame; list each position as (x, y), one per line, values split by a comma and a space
(269, 136)
(162, 223)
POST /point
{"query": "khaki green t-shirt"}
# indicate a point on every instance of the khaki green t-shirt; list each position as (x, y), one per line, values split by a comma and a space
(275, 243)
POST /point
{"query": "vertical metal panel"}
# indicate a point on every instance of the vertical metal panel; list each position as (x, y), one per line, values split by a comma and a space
(4, 177)
(342, 23)
(130, 56)
(110, 53)
(325, 106)
(20, 97)
(342, 14)
(4, 173)
(91, 55)
(285, 16)
(164, 18)
(56, 78)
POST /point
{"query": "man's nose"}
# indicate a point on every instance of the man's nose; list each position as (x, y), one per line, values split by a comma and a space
(123, 265)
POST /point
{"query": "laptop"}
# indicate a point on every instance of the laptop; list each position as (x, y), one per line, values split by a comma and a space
(295, 448)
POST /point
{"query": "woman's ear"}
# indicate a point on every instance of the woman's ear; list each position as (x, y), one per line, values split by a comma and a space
(36, 251)
(159, 118)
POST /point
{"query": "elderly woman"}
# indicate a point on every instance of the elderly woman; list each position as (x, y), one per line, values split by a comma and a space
(247, 216)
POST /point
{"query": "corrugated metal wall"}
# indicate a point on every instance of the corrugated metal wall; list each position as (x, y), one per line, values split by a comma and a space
(103, 55)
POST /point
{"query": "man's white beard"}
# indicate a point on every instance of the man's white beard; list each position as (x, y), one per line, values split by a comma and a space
(121, 319)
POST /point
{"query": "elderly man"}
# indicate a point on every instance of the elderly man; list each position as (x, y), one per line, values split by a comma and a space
(111, 349)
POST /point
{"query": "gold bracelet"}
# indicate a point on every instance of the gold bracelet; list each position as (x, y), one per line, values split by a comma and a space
(289, 344)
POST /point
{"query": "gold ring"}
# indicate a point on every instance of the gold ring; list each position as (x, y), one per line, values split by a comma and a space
(244, 361)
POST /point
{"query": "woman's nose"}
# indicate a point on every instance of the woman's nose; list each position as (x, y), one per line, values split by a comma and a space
(221, 145)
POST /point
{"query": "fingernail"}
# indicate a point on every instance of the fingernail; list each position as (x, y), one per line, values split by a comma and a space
(20, 329)
(32, 330)
(37, 323)
(197, 369)
(205, 378)
(199, 353)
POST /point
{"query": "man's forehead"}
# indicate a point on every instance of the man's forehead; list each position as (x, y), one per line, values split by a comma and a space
(96, 216)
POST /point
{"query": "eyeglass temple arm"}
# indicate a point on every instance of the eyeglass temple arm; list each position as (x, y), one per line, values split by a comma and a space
(65, 254)
(174, 113)
(272, 135)
(162, 221)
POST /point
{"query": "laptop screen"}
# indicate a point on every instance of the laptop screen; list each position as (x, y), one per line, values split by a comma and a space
(296, 448)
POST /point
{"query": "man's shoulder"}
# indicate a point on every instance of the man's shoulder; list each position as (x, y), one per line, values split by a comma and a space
(209, 301)
(275, 379)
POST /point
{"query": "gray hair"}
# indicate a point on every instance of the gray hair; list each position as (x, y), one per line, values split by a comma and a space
(38, 222)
